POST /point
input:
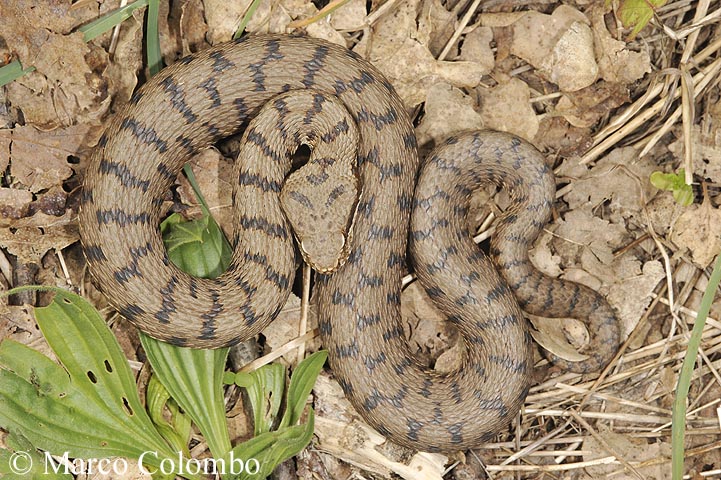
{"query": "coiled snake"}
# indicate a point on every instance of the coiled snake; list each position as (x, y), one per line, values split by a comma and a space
(207, 96)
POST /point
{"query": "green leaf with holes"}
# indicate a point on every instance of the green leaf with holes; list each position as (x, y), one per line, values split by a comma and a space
(89, 406)
(23, 461)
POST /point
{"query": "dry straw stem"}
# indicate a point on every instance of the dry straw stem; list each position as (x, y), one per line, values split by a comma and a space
(279, 352)
(554, 398)
(327, 10)
(637, 114)
(459, 29)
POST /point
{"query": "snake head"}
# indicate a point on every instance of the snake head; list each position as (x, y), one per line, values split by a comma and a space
(320, 200)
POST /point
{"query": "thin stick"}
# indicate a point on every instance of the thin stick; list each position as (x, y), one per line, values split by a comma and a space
(304, 302)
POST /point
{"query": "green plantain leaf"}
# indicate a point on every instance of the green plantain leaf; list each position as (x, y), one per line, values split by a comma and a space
(197, 247)
(194, 378)
(157, 399)
(301, 383)
(265, 392)
(90, 408)
(269, 449)
(24, 461)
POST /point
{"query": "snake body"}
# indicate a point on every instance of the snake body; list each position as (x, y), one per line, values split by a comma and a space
(208, 96)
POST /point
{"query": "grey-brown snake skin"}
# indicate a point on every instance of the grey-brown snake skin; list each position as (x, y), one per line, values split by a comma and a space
(208, 96)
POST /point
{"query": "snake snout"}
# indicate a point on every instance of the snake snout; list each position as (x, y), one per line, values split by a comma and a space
(324, 253)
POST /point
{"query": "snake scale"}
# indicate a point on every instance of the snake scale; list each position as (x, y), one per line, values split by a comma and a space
(212, 94)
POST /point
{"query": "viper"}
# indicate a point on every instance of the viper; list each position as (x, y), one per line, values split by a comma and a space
(384, 213)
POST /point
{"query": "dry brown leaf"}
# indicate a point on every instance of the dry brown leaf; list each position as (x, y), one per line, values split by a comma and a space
(40, 159)
(409, 65)
(42, 220)
(543, 258)
(553, 333)
(14, 204)
(349, 17)
(436, 26)
(698, 229)
(706, 150)
(477, 48)
(127, 60)
(559, 45)
(223, 18)
(17, 322)
(212, 173)
(582, 234)
(585, 107)
(30, 244)
(507, 107)
(616, 63)
(323, 29)
(397, 25)
(500, 19)
(427, 331)
(555, 133)
(634, 450)
(193, 27)
(617, 178)
(31, 17)
(412, 70)
(633, 292)
(5, 143)
(663, 211)
(447, 110)
(68, 86)
(282, 13)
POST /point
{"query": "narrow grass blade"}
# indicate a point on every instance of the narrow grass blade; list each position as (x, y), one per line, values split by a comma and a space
(12, 71)
(106, 22)
(678, 426)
